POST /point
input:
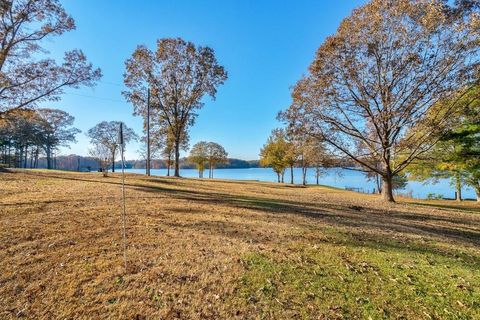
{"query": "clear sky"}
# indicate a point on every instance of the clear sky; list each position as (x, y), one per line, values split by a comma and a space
(264, 45)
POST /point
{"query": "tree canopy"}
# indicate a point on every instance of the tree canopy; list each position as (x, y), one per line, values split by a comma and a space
(178, 75)
(105, 133)
(199, 156)
(387, 65)
(27, 75)
(24, 132)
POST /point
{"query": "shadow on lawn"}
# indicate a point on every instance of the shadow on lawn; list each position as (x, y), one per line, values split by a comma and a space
(453, 228)
(449, 207)
(366, 226)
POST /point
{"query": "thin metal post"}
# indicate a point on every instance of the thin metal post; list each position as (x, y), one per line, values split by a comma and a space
(123, 197)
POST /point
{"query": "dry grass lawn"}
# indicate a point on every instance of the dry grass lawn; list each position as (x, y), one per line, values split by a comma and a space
(200, 249)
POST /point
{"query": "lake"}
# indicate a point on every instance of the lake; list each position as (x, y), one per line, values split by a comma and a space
(340, 178)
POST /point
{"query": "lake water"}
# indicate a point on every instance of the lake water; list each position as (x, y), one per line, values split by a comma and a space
(340, 178)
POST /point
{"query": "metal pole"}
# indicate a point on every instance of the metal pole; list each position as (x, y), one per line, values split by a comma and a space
(148, 132)
(123, 198)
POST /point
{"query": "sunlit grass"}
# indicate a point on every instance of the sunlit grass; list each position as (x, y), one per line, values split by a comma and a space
(225, 249)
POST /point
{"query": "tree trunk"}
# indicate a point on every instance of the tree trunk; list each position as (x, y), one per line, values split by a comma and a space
(169, 164)
(278, 177)
(291, 174)
(31, 158)
(19, 157)
(49, 157)
(458, 188)
(477, 192)
(177, 158)
(304, 176)
(26, 157)
(113, 159)
(317, 175)
(9, 155)
(387, 189)
(35, 165)
(105, 170)
(379, 184)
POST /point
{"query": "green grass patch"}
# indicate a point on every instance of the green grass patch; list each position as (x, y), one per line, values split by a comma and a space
(337, 281)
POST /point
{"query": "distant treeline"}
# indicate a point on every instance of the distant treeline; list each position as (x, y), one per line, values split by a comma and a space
(80, 163)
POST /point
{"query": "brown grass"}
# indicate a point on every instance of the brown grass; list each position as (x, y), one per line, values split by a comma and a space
(192, 246)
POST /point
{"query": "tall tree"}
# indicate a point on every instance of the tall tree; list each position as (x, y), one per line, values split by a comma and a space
(27, 76)
(199, 155)
(106, 133)
(293, 152)
(19, 131)
(304, 150)
(179, 75)
(163, 139)
(56, 130)
(274, 153)
(315, 155)
(216, 155)
(102, 154)
(388, 64)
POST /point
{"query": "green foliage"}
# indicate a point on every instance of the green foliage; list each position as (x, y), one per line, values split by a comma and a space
(400, 181)
(457, 153)
(210, 153)
(199, 156)
(276, 153)
(434, 196)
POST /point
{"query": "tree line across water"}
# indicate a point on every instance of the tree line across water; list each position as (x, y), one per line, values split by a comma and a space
(393, 93)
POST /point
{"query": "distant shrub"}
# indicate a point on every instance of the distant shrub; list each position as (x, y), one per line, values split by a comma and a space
(434, 196)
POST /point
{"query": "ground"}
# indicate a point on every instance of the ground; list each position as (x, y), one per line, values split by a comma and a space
(200, 249)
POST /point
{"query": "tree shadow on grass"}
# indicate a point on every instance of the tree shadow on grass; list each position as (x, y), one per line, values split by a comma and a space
(449, 207)
(453, 228)
(351, 218)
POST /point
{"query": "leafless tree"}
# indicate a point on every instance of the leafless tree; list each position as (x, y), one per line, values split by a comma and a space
(106, 133)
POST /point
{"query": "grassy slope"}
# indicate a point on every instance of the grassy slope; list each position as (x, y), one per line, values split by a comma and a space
(219, 249)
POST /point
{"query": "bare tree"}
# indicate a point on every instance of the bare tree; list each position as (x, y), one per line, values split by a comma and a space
(101, 153)
(388, 64)
(25, 77)
(106, 133)
(179, 75)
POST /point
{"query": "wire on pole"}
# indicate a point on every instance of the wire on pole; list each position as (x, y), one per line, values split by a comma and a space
(148, 133)
(124, 234)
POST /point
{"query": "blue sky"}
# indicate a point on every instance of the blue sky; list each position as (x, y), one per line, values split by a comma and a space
(264, 45)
